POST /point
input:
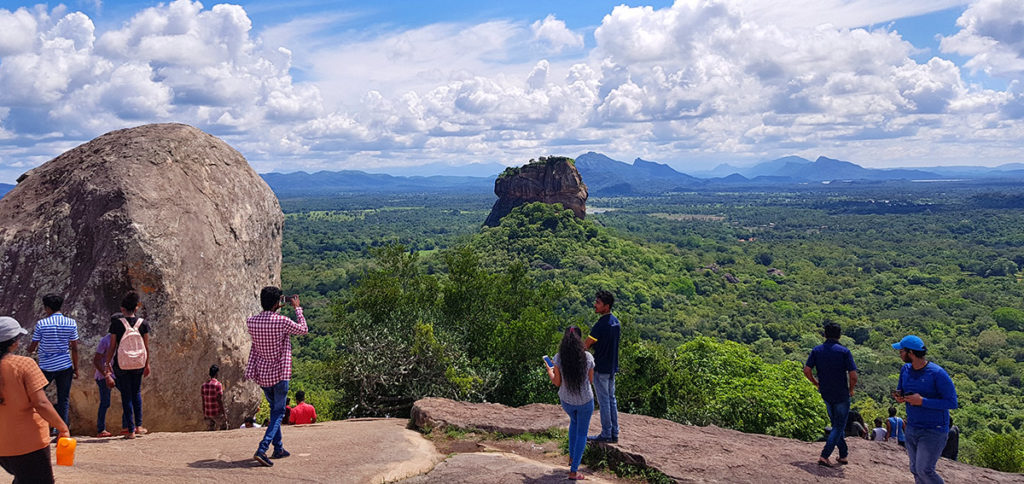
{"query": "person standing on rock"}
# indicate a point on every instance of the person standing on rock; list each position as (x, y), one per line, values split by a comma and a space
(213, 402)
(56, 338)
(104, 382)
(125, 330)
(604, 338)
(270, 363)
(929, 394)
(837, 376)
(573, 372)
(25, 411)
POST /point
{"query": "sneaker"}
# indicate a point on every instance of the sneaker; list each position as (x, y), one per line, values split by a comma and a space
(280, 454)
(104, 434)
(598, 438)
(613, 440)
(262, 458)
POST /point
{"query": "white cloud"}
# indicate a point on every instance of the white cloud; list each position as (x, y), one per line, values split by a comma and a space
(555, 34)
(992, 35)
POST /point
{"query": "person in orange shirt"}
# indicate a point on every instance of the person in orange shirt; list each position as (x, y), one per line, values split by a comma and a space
(302, 412)
(24, 411)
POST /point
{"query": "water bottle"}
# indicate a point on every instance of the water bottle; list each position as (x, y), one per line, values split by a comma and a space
(66, 451)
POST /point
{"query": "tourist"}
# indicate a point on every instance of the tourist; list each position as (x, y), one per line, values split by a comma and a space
(270, 363)
(896, 425)
(287, 411)
(952, 448)
(25, 411)
(837, 376)
(604, 338)
(213, 402)
(126, 329)
(104, 382)
(855, 426)
(303, 413)
(878, 433)
(56, 338)
(572, 372)
(929, 394)
(250, 423)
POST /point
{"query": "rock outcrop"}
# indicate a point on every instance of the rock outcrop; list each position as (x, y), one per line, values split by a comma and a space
(165, 210)
(685, 453)
(549, 180)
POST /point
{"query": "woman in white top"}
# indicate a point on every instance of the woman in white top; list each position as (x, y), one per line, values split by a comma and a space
(572, 373)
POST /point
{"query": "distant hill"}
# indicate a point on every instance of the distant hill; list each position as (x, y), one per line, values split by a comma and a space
(4, 188)
(444, 169)
(605, 176)
(300, 184)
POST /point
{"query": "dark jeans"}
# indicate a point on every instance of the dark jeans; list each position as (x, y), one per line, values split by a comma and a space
(129, 383)
(31, 468)
(101, 413)
(276, 395)
(837, 414)
(63, 378)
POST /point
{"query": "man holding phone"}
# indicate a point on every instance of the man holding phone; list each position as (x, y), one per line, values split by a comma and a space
(270, 363)
(837, 376)
(929, 393)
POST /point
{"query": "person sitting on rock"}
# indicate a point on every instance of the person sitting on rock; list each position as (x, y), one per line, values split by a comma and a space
(878, 433)
(572, 372)
(250, 423)
(213, 402)
(303, 413)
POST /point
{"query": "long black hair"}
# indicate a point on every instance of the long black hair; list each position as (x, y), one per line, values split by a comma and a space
(5, 349)
(573, 359)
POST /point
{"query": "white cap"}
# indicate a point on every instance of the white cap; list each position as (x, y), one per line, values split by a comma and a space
(9, 328)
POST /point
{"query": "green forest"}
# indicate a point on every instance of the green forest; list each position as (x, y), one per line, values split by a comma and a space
(721, 297)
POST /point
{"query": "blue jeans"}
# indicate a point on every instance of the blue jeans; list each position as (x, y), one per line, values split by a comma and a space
(579, 422)
(101, 414)
(604, 387)
(924, 446)
(837, 414)
(276, 397)
(63, 378)
(129, 383)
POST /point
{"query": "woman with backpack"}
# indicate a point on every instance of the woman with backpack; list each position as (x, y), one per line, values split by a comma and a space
(129, 354)
(25, 412)
(572, 372)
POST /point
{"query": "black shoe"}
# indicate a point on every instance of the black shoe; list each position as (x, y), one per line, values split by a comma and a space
(280, 454)
(598, 438)
(261, 457)
(613, 440)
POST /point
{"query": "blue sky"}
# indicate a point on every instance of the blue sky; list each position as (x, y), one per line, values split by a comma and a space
(311, 85)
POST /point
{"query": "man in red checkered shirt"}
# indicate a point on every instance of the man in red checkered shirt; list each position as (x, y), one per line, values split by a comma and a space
(213, 402)
(270, 363)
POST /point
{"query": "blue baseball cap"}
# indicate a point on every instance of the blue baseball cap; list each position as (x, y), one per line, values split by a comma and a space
(909, 342)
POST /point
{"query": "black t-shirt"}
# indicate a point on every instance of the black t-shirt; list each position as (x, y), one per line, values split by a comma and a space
(117, 329)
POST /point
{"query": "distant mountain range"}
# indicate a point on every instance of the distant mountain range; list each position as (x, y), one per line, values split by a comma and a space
(302, 184)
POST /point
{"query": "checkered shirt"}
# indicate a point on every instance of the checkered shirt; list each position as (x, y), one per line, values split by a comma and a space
(270, 357)
(212, 392)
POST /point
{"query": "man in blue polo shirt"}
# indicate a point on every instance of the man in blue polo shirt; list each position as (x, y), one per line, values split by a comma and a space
(604, 338)
(837, 376)
(56, 338)
(929, 394)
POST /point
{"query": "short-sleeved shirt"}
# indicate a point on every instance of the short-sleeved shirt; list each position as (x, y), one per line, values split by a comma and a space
(585, 393)
(117, 329)
(24, 430)
(54, 334)
(302, 413)
(878, 433)
(606, 333)
(212, 392)
(833, 361)
(270, 356)
(101, 349)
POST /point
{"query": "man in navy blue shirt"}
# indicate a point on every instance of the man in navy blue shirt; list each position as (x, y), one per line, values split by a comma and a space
(837, 375)
(929, 394)
(604, 338)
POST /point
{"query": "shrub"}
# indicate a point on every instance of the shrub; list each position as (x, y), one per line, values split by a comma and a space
(1002, 452)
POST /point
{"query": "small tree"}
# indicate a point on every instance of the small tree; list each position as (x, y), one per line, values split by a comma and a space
(1002, 452)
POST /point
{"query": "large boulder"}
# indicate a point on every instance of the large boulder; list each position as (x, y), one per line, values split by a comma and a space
(550, 180)
(163, 209)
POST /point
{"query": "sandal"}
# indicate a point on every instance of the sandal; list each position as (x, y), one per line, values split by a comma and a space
(103, 434)
(129, 436)
(578, 476)
(842, 461)
(824, 463)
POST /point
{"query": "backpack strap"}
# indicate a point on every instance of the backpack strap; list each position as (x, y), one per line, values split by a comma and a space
(125, 323)
(137, 324)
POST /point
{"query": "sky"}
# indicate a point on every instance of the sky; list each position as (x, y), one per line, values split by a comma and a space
(330, 85)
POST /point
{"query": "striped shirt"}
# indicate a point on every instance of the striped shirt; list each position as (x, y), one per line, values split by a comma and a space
(270, 357)
(53, 334)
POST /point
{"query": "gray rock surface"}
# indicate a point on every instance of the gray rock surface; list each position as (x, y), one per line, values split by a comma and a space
(491, 467)
(168, 211)
(710, 454)
(550, 180)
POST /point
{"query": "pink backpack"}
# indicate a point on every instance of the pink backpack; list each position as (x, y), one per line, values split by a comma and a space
(131, 352)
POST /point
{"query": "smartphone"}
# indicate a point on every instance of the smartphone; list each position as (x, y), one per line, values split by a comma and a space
(547, 360)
